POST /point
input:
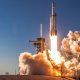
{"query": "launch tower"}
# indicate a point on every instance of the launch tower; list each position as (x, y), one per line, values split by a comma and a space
(40, 42)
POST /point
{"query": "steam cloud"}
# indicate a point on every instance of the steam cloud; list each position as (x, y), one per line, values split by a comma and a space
(37, 64)
(71, 51)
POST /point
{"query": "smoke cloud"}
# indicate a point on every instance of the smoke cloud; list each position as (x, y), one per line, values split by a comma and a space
(71, 45)
(71, 51)
(37, 64)
(40, 64)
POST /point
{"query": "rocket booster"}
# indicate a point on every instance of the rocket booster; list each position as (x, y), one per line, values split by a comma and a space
(53, 30)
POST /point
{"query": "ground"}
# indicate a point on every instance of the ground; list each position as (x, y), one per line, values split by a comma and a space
(31, 77)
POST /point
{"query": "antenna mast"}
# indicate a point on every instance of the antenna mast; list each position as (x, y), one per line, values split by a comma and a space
(41, 30)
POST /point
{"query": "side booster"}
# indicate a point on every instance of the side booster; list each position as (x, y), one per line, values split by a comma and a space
(53, 30)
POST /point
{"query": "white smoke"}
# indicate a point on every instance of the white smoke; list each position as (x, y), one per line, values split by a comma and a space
(37, 64)
(71, 51)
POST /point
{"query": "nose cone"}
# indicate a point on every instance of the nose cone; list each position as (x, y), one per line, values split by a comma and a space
(53, 8)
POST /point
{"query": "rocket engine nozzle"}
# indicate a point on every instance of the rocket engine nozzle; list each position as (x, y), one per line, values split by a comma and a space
(53, 32)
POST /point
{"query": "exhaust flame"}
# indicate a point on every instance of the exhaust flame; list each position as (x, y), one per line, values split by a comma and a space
(54, 54)
(53, 43)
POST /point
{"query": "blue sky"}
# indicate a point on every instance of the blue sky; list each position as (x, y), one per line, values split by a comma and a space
(20, 22)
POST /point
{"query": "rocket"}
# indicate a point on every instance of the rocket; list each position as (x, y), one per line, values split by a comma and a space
(53, 30)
